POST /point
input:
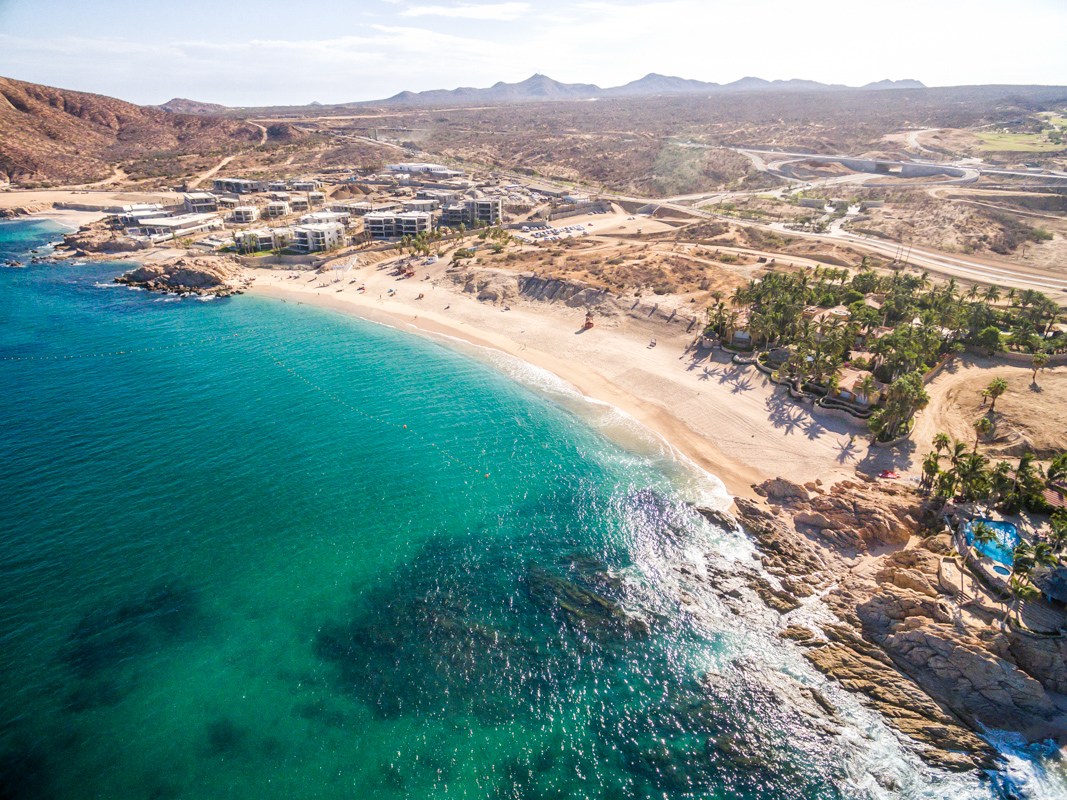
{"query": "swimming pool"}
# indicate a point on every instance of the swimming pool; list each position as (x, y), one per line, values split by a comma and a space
(1002, 549)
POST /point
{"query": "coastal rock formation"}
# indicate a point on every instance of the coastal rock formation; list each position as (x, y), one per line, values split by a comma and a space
(98, 238)
(865, 669)
(900, 641)
(23, 211)
(1042, 657)
(851, 515)
(221, 276)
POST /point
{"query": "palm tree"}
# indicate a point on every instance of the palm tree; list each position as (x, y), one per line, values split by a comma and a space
(982, 427)
(1044, 555)
(1039, 362)
(941, 442)
(959, 450)
(1057, 538)
(1057, 469)
(931, 469)
(904, 398)
(981, 533)
(992, 294)
(1021, 589)
(866, 387)
(1023, 559)
(1001, 482)
(995, 389)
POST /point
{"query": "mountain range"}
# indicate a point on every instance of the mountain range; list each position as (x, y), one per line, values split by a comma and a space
(541, 87)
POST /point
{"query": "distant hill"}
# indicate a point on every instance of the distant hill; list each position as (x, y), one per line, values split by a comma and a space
(61, 136)
(888, 84)
(536, 87)
(541, 87)
(179, 105)
(654, 83)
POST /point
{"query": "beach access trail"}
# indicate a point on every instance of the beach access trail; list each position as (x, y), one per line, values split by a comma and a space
(727, 418)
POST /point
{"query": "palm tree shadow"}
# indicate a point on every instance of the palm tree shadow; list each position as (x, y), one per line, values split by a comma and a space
(782, 413)
(899, 457)
(847, 451)
(741, 386)
(813, 428)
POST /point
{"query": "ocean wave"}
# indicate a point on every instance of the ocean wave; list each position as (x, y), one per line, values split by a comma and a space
(701, 486)
(108, 285)
(1030, 769)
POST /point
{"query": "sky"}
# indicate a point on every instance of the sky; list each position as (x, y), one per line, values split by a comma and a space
(281, 52)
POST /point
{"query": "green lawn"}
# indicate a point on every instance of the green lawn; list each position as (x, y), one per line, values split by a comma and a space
(1055, 119)
(1018, 143)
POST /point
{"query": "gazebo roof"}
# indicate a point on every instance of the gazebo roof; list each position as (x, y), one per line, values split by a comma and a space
(1052, 583)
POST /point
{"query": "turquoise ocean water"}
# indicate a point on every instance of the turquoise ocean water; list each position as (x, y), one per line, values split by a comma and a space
(228, 570)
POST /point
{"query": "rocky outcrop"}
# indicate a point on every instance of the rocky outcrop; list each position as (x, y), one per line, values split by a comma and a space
(901, 642)
(221, 276)
(23, 211)
(1044, 658)
(98, 239)
(852, 515)
(781, 490)
(865, 669)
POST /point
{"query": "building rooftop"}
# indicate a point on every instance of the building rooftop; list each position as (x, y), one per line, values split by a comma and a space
(183, 219)
(1052, 583)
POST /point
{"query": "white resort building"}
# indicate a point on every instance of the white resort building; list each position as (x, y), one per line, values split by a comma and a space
(317, 237)
(173, 227)
(242, 215)
(390, 225)
(201, 203)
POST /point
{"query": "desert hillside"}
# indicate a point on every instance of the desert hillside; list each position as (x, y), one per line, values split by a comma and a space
(60, 136)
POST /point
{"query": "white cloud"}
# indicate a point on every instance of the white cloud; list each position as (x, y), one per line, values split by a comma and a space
(502, 12)
(430, 44)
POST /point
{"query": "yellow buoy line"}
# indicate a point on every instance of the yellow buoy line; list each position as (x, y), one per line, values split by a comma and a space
(374, 417)
(115, 353)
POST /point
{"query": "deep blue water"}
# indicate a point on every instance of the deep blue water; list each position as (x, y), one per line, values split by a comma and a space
(228, 570)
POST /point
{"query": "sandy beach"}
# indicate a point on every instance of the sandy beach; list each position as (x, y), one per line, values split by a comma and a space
(41, 203)
(70, 219)
(728, 419)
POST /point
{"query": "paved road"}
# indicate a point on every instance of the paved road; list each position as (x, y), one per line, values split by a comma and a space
(943, 264)
(784, 157)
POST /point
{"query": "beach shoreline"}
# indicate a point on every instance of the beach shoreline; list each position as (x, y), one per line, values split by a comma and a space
(69, 218)
(708, 410)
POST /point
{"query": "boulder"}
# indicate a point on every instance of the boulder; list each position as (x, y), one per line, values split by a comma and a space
(781, 490)
(205, 275)
(1043, 658)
